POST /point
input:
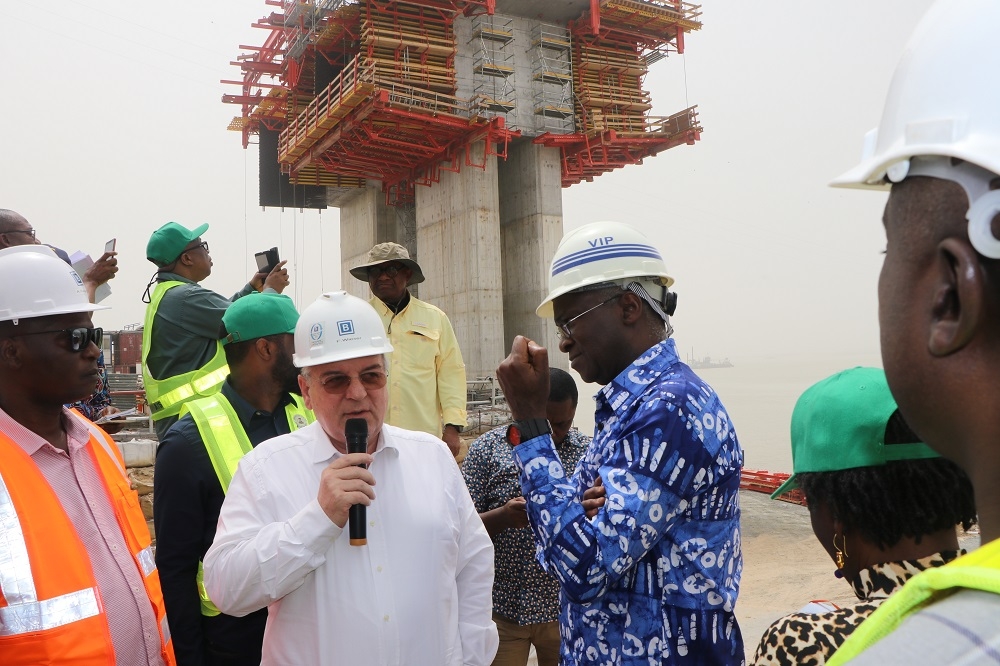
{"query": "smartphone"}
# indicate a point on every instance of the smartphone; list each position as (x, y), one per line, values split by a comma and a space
(110, 245)
(267, 260)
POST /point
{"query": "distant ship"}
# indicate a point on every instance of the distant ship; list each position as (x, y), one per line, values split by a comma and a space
(706, 362)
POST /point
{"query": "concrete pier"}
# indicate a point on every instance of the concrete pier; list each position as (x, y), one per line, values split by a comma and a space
(531, 227)
(458, 236)
(484, 239)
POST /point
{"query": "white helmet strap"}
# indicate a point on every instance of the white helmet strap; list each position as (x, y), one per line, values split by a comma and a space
(639, 290)
(984, 204)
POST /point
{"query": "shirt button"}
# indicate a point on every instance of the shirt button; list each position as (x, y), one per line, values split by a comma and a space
(378, 568)
(385, 618)
(371, 523)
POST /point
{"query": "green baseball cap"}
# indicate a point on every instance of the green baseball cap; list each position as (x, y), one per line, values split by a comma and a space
(256, 315)
(168, 242)
(839, 423)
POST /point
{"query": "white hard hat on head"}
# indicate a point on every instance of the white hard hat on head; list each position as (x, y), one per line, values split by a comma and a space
(338, 327)
(943, 102)
(39, 284)
(602, 252)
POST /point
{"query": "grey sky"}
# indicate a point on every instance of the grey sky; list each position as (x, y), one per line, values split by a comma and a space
(112, 125)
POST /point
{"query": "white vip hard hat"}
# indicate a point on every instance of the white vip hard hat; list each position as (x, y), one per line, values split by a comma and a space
(602, 252)
(943, 102)
(338, 327)
(39, 284)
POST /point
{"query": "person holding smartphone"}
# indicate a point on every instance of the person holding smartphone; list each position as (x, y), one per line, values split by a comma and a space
(16, 230)
(182, 358)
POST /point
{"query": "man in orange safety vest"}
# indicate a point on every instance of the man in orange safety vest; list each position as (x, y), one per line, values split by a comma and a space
(78, 584)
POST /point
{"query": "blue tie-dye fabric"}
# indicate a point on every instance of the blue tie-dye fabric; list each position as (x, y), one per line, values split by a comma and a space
(653, 578)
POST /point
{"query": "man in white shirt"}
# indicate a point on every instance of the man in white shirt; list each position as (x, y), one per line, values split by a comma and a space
(420, 591)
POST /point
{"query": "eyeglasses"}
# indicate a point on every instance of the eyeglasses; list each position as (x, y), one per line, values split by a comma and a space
(563, 330)
(203, 244)
(338, 384)
(392, 271)
(79, 338)
(29, 232)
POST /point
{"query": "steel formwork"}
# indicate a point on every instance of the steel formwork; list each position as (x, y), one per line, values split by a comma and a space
(365, 89)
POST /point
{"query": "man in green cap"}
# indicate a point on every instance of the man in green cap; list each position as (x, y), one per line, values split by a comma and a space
(182, 358)
(196, 460)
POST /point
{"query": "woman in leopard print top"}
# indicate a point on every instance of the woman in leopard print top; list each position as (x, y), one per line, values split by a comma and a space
(810, 638)
(882, 505)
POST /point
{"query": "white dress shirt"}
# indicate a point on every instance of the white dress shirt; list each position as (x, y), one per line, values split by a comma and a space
(420, 591)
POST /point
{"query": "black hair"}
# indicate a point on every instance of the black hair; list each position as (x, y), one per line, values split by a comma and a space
(236, 352)
(562, 387)
(903, 498)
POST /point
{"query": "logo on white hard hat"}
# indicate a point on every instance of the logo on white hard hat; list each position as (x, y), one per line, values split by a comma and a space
(316, 332)
(345, 327)
(601, 249)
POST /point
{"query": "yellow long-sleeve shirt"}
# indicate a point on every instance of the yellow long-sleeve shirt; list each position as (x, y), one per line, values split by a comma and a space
(426, 371)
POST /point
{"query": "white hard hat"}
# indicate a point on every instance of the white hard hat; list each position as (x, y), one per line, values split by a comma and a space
(39, 284)
(943, 101)
(337, 327)
(602, 252)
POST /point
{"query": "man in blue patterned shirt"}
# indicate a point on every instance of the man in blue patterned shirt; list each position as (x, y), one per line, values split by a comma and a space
(653, 577)
(525, 598)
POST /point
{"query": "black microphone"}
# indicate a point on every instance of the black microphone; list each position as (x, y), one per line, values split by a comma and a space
(356, 431)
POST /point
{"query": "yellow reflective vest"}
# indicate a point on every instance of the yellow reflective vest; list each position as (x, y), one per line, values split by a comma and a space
(166, 396)
(979, 570)
(226, 442)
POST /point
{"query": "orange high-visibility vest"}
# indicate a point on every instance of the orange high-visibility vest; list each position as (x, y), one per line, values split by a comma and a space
(51, 611)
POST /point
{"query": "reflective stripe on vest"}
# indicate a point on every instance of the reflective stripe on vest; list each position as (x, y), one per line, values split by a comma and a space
(979, 570)
(24, 612)
(226, 442)
(54, 611)
(166, 396)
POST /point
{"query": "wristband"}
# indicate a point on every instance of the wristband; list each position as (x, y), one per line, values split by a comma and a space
(522, 431)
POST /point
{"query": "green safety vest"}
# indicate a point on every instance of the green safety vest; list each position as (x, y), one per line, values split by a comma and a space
(979, 570)
(227, 442)
(165, 396)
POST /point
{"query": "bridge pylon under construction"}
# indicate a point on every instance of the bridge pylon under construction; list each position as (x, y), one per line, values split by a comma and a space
(451, 127)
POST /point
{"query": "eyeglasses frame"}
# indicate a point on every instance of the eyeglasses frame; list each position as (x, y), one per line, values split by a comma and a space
(563, 330)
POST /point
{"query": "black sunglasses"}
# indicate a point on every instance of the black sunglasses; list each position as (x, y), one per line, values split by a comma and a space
(79, 338)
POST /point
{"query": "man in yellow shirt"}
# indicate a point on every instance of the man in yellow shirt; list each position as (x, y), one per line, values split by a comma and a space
(426, 371)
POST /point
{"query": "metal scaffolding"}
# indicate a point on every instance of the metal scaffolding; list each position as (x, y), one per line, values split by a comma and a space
(494, 81)
(552, 77)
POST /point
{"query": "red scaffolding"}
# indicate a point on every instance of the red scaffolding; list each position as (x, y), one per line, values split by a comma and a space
(389, 113)
(612, 46)
(365, 89)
